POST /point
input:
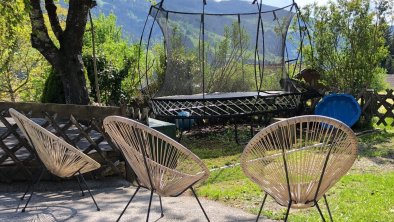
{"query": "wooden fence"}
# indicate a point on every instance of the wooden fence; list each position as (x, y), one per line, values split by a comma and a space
(380, 105)
(80, 126)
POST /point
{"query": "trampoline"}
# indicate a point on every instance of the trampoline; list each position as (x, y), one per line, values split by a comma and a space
(224, 58)
(225, 104)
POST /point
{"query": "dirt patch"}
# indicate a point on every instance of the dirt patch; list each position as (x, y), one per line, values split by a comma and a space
(367, 160)
(373, 164)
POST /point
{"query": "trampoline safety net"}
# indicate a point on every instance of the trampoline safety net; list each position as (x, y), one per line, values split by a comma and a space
(234, 55)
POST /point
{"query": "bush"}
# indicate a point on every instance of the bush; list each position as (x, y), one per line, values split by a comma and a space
(53, 90)
(348, 45)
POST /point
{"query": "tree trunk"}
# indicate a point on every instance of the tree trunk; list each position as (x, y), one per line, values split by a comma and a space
(73, 79)
(66, 60)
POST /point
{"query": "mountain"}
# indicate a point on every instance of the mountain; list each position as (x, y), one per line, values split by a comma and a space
(131, 14)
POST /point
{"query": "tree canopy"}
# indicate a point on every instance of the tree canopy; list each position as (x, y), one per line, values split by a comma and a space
(348, 44)
(22, 69)
(116, 60)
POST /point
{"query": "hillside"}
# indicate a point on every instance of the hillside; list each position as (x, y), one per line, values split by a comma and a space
(132, 13)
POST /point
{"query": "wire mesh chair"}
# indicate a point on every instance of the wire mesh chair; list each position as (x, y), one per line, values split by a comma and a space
(297, 160)
(56, 156)
(161, 164)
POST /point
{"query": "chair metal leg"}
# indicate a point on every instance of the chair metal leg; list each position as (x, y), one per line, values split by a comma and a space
(32, 190)
(261, 208)
(161, 207)
(31, 184)
(328, 207)
(87, 187)
(27, 190)
(195, 195)
(150, 203)
(288, 211)
(127, 205)
(80, 187)
(320, 212)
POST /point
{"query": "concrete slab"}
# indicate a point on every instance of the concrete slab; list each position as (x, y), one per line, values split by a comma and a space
(63, 202)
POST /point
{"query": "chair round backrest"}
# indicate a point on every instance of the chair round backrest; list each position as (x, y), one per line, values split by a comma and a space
(59, 157)
(300, 158)
(155, 158)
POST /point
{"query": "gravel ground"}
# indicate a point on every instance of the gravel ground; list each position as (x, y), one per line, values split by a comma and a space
(63, 202)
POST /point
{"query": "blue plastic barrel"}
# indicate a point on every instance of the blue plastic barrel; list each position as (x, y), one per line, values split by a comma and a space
(184, 123)
(342, 107)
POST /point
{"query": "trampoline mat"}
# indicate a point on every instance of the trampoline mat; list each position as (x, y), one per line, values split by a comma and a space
(223, 95)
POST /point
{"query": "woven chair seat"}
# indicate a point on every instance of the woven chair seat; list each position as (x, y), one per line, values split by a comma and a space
(161, 164)
(170, 167)
(59, 157)
(297, 160)
(65, 166)
(170, 182)
(56, 155)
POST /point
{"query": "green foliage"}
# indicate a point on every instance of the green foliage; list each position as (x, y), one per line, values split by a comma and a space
(357, 197)
(22, 68)
(348, 45)
(156, 71)
(110, 79)
(53, 90)
(388, 64)
(225, 65)
(385, 8)
(116, 61)
(12, 14)
(227, 71)
(183, 67)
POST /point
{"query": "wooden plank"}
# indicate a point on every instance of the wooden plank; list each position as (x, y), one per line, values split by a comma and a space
(64, 110)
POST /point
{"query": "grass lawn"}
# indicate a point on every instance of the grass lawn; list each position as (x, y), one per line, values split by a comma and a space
(366, 193)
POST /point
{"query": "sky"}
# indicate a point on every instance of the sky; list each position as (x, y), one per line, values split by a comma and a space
(299, 2)
(305, 2)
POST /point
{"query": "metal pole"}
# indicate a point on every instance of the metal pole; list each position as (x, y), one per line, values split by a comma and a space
(203, 49)
(96, 84)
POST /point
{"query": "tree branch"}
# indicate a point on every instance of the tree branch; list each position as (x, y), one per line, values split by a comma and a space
(40, 39)
(28, 65)
(76, 23)
(53, 19)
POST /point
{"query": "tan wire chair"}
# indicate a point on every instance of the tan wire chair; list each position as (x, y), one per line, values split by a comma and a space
(297, 160)
(161, 164)
(56, 156)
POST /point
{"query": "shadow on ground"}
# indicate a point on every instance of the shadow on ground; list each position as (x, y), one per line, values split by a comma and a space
(63, 202)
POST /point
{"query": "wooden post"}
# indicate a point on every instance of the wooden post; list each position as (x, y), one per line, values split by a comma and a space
(145, 116)
(96, 84)
(370, 103)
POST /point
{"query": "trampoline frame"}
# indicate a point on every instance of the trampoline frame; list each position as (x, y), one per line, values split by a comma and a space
(226, 107)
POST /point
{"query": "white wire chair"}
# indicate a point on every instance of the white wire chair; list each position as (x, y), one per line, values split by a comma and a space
(56, 156)
(161, 164)
(297, 160)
